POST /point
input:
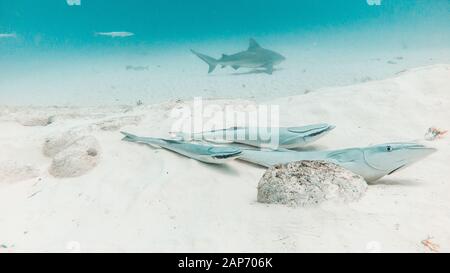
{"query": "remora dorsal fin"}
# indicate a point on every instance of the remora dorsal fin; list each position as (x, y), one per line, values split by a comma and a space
(253, 44)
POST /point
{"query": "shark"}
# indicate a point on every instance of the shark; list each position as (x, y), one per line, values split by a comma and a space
(204, 153)
(254, 57)
(269, 137)
(115, 34)
(372, 163)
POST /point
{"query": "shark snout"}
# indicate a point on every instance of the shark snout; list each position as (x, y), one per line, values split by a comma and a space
(412, 154)
(422, 147)
(421, 151)
(330, 127)
(391, 157)
(280, 58)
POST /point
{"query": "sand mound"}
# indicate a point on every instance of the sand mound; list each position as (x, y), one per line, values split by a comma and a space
(37, 120)
(307, 183)
(77, 159)
(55, 144)
(114, 124)
(11, 172)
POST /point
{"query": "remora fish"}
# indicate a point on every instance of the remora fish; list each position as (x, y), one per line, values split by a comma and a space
(136, 68)
(115, 34)
(203, 153)
(254, 57)
(372, 162)
(271, 137)
(8, 35)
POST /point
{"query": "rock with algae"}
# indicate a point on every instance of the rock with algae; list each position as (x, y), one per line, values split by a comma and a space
(309, 183)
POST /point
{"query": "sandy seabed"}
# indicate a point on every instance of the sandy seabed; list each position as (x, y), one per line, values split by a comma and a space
(135, 198)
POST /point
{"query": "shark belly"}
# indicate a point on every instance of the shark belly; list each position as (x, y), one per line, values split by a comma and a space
(243, 63)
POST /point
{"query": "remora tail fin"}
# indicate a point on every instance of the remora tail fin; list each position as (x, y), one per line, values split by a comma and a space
(209, 60)
(155, 142)
(130, 137)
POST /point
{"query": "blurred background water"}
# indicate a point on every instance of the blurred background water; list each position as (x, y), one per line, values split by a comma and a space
(49, 53)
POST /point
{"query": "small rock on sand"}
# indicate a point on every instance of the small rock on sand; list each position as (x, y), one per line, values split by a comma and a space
(77, 159)
(115, 124)
(11, 172)
(35, 120)
(308, 183)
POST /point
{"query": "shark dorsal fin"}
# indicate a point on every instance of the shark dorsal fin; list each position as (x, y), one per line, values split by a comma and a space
(253, 45)
(224, 56)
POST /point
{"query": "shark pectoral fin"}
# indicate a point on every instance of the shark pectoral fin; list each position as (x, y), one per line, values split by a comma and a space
(269, 69)
(236, 67)
(153, 145)
(253, 45)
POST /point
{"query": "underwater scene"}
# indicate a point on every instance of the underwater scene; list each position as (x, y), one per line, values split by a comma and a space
(67, 54)
(224, 126)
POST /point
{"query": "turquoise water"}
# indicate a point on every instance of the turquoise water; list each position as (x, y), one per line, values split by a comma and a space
(53, 23)
(332, 40)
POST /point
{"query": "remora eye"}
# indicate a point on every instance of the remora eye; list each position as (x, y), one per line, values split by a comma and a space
(389, 148)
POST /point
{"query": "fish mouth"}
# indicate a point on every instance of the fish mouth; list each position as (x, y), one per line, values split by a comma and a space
(225, 153)
(330, 127)
(395, 170)
(321, 132)
(227, 156)
(314, 129)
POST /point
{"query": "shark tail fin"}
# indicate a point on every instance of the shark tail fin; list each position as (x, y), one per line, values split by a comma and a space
(209, 60)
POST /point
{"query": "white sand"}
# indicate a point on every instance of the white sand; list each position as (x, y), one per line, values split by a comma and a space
(142, 199)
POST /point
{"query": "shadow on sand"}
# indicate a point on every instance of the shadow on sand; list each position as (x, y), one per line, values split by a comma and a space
(251, 72)
(255, 71)
(223, 168)
(395, 182)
